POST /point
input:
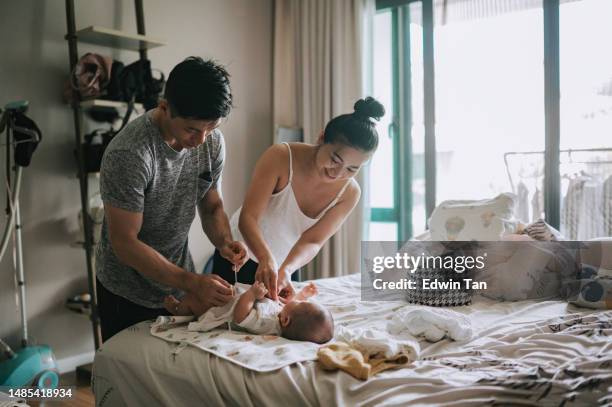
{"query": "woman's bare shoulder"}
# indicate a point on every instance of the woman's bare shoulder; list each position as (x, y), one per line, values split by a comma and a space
(275, 156)
(352, 191)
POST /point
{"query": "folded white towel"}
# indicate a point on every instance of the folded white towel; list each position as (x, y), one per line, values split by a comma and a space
(373, 342)
(431, 323)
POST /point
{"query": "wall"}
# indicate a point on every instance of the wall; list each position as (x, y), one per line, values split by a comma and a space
(34, 65)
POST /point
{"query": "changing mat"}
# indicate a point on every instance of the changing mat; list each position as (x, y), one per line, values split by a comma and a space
(262, 353)
(265, 353)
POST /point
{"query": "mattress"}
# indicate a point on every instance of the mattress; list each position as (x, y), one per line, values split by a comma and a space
(525, 353)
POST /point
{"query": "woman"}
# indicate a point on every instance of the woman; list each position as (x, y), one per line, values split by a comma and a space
(299, 196)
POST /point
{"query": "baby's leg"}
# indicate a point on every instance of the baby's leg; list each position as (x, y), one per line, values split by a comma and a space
(176, 307)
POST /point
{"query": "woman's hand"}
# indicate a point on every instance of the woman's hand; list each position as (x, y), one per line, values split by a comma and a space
(267, 274)
(286, 291)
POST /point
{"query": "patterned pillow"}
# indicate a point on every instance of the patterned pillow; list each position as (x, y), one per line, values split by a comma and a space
(440, 297)
(449, 289)
(593, 289)
(484, 220)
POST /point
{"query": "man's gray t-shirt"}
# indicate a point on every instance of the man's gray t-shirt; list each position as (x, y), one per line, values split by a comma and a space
(142, 173)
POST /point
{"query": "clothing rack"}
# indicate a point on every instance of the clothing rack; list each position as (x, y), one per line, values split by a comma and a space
(568, 151)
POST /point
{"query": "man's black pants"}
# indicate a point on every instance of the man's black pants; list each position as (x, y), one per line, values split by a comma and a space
(117, 313)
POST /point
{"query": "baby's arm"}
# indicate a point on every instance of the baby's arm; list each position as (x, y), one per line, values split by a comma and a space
(309, 291)
(246, 302)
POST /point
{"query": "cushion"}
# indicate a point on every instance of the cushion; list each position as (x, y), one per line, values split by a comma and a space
(482, 220)
(593, 288)
(446, 294)
(540, 230)
(441, 297)
(526, 270)
(598, 252)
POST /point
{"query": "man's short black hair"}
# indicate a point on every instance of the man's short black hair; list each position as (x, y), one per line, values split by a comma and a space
(198, 89)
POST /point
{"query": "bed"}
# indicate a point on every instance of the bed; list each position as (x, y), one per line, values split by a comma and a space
(522, 353)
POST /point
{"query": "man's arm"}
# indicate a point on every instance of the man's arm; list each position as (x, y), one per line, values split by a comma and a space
(215, 222)
(216, 226)
(123, 227)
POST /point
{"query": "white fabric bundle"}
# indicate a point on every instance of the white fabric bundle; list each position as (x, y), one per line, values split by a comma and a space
(373, 342)
(431, 323)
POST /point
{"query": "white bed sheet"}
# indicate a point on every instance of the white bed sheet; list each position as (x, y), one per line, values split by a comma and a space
(516, 355)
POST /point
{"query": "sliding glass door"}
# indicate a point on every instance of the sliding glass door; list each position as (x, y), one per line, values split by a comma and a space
(397, 183)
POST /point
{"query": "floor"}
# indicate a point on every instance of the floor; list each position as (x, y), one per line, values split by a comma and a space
(83, 397)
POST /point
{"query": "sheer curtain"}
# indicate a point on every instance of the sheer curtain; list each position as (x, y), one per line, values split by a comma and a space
(318, 74)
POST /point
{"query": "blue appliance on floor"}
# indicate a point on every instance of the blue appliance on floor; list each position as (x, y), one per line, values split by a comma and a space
(30, 365)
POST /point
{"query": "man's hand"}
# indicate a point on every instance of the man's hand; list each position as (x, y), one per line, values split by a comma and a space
(266, 274)
(210, 290)
(235, 252)
(285, 287)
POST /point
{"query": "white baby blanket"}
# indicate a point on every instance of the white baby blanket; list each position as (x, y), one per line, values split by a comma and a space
(363, 324)
(262, 353)
(431, 323)
(263, 318)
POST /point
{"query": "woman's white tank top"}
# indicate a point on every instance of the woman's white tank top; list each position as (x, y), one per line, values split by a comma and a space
(282, 222)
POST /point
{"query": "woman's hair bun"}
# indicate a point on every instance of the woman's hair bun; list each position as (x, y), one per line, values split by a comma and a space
(369, 108)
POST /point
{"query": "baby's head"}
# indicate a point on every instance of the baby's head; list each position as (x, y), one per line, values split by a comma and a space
(306, 321)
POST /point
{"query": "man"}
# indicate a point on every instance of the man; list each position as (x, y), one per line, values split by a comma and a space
(154, 173)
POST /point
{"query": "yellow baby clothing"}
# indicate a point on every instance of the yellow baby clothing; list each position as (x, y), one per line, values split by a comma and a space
(339, 355)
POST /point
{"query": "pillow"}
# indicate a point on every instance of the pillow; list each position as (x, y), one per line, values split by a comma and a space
(540, 230)
(423, 237)
(598, 252)
(440, 297)
(445, 287)
(593, 289)
(483, 220)
(526, 270)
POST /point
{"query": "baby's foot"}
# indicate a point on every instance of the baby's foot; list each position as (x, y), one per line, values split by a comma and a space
(310, 290)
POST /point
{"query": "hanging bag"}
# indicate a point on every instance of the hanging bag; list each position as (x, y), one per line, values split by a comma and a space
(89, 77)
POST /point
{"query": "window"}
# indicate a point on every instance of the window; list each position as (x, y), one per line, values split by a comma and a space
(522, 95)
(489, 101)
(382, 174)
(586, 118)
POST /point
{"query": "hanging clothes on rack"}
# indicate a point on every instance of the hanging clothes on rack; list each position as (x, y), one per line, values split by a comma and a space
(583, 211)
(607, 206)
(591, 222)
(586, 205)
(522, 209)
(537, 205)
(571, 207)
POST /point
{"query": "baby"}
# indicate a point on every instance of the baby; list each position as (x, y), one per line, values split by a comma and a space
(298, 319)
